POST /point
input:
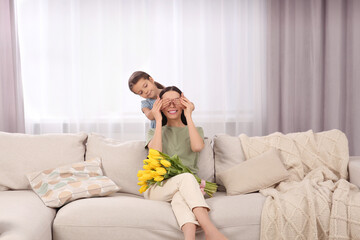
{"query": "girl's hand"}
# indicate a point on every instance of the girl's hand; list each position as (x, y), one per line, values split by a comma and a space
(165, 103)
(187, 105)
(156, 110)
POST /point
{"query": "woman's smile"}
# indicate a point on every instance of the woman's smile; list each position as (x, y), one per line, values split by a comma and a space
(172, 111)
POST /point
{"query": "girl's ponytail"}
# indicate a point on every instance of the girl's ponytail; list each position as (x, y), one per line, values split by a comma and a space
(158, 85)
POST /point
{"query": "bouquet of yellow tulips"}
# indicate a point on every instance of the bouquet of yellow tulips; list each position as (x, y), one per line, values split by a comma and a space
(160, 166)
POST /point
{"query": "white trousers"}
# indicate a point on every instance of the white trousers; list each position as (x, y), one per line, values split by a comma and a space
(184, 193)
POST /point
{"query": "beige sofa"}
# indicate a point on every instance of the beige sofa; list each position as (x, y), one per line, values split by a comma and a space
(122, 215)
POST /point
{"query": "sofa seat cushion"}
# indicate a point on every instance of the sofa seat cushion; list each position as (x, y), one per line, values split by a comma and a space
(24, 216)
(238, 216)
(127, 216)
(118, 216)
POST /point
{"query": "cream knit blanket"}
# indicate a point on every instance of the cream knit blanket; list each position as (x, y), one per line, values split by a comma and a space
(316, 202)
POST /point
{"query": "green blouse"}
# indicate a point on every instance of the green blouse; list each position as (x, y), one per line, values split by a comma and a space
(176, 140)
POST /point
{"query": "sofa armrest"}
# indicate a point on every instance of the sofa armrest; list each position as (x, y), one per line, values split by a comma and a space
(354, 170)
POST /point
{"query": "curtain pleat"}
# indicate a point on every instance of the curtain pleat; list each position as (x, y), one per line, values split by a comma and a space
(11, 97)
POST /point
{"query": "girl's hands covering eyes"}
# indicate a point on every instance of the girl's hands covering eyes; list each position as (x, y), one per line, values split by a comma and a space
(187, 105)
(156, 110)
(167, 102)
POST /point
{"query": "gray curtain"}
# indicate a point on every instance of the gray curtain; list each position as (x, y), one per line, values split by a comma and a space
(313, 67)
(11, 100)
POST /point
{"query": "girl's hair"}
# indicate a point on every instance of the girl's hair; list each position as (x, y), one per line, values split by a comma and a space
(167, 89)
(136, 76)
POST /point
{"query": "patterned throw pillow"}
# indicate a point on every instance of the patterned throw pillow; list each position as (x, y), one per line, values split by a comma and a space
(64, 184)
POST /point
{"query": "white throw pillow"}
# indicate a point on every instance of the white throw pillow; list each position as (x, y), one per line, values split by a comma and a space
(228, 153)
(24, 153)
(254, 174)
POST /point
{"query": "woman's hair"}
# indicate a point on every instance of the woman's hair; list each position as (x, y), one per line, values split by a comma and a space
(136, 76)
(167, 89)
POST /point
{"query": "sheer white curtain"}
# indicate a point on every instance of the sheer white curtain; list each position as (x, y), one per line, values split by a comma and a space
(78, 55)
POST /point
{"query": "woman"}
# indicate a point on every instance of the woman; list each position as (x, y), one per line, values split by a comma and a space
(175, 133)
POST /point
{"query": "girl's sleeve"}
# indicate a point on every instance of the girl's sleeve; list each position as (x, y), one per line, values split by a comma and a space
(149, 136)
(145, 104)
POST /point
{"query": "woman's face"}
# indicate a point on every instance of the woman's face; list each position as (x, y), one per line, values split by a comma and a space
(172, 108)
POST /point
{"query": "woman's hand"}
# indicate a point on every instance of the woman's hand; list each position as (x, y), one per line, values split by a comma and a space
(187, 105)
(156, 110)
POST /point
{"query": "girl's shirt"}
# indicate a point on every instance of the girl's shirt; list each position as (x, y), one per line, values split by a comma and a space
(176, 140)
(148, 103)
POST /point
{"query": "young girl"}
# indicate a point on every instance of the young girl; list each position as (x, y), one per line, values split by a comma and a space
(175, 133)
(142, 84)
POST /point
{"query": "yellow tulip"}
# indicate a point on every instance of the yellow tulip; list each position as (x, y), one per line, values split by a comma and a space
(148, 176)
(145, 177)
(154, 174)
(146, 161)
(161, 170)
(143, 188)
(159, 178)
(154, 153)
(165, 163)
(140, 173)
(141, 183)
(154, 163)
(147, 167)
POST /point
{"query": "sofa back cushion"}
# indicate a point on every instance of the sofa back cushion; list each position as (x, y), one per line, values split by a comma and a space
(122, 160)
(206, 162)
(23, 153)
(228, 153)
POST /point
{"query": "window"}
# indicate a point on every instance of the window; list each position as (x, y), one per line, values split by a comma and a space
(77, 57)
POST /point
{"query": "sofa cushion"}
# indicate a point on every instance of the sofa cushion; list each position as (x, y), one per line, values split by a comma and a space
(238, 216)
(354, 170)
(254, 174)
(206, 162)
(126, 216)
(122, 160)
(121, 216)
(228, 153)
(23, 153)
(63, 184)
(24, 216)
